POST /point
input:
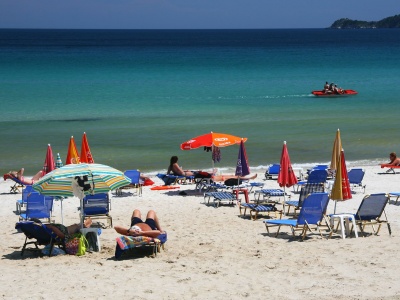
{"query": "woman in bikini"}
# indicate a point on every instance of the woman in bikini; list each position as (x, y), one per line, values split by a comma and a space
(27, 181)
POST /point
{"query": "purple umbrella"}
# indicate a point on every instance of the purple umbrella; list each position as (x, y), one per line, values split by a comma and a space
(242, 167)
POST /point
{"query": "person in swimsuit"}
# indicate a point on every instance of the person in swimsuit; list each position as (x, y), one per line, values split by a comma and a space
(394, 161)
(176, 170)
(64, 232)
(26, 181)
(151, 227)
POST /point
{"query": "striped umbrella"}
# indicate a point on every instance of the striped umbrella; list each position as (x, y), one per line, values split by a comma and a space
(97, 178)
(59, 162)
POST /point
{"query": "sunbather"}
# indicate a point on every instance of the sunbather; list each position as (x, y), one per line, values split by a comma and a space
(151, 227)
(26, 181)
(225, 177)
(394, 161)
(176, 170)
(64, 232)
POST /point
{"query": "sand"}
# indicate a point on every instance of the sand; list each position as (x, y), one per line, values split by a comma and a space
(210, 253)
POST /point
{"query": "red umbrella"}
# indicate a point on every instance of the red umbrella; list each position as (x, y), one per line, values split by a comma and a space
(86, 155)
(49, 164)
(286, 176)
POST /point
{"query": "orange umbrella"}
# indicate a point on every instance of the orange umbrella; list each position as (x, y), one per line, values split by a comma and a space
(86, 155)
(341, 187)
(72, 156)
(49, 164)
(337, 148)
(212, 139)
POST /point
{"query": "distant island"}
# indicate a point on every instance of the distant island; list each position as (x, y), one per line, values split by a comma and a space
(389, 22)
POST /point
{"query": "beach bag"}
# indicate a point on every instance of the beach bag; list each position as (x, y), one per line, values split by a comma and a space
(76, 244)
(232, 182)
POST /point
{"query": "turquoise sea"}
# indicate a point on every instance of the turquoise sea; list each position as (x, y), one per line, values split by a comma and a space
(138, 94)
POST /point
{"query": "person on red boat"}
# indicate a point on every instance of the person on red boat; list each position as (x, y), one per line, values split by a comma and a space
(326, 87)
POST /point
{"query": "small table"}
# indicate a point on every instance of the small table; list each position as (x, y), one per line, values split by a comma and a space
(344, 220)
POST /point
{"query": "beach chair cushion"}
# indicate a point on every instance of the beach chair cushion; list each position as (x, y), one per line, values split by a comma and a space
(125, 243)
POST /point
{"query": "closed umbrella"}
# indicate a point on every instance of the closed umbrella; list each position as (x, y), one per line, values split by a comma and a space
(341, 187)
(72, 155)
(86, 154)
(80, 180)
(59, 162)
(337, 148)
(286, 175)
(242, 166)
(49, 164)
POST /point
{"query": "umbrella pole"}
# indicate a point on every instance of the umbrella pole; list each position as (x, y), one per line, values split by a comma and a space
(284, 200)
(62, 215)
(81, 212)
(334, 209)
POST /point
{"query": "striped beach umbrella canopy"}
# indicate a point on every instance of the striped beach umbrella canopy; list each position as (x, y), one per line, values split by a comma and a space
(60, 182)
(80, 180)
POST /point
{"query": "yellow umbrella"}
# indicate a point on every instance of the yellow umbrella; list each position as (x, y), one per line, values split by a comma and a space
(337, 148)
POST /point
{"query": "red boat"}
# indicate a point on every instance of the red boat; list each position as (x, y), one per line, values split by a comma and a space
(343, 93)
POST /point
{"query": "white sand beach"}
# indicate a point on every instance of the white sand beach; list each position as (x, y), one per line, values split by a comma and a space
(210, 253)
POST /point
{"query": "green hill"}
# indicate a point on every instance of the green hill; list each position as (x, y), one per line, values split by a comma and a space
(389, 22)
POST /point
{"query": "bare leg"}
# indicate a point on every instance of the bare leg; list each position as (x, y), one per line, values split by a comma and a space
(37, 176)
(74, 228)
(136, 213)
(152, 215)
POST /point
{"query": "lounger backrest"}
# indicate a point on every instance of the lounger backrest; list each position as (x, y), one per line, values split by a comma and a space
(317, 176)
(37, 206)
(372, 206)
(310, 188)
(313, 208)
(356, 175)
(274, 169)
(133, 175)
(97, 204)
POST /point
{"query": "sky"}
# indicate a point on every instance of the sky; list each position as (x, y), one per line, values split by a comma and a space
(189, 14)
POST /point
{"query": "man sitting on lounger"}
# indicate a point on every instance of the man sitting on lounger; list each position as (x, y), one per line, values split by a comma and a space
(20, 176)
(151, 227)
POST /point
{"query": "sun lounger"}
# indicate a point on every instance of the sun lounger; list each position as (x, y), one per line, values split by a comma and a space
(125, 243)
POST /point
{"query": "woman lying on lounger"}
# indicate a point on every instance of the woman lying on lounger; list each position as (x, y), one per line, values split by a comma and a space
(27, 181)
(225, 177)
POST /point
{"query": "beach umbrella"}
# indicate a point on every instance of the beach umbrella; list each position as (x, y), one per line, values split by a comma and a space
(72, 155)
(341, 187)
(212, 140)
(80, 180)
(242, 166)
(59, 162)
(49, 164)
(86, 155)
(286, 175)
(337, 148)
